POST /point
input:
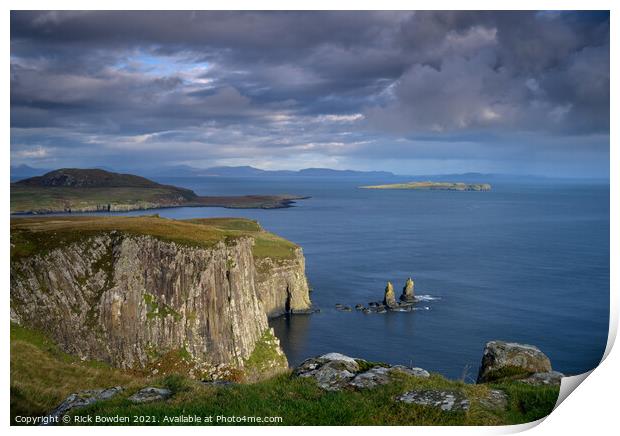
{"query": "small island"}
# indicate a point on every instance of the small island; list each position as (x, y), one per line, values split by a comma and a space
(434, 186)
(70, 190)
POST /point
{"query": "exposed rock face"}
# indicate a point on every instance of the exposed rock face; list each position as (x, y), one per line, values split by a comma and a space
(130, 300)
(544, 378)
(335, 371)
(282, 285)
(389, 298)
(408, 294)
(147, 395)
(509, 360)
(448, 401)
(84, 398)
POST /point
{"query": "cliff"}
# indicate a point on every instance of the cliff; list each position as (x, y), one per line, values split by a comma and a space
(282, 286)
(154, 294)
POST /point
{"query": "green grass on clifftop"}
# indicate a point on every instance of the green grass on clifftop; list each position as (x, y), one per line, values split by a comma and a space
(42, 376)
(39, 235)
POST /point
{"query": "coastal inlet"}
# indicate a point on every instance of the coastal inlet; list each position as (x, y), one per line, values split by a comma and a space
(406, 302)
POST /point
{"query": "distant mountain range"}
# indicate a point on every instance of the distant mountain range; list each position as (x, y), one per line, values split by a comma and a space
(248, 171)
(25, 171)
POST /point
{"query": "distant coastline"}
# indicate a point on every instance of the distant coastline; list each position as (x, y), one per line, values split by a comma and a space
(434, 186)
(94, 190)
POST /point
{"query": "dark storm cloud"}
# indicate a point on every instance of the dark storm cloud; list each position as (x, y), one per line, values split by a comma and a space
(260, 87)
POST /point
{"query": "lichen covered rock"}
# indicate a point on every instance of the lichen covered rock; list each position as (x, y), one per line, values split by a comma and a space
(150, 394)
(335, 371)
(83, 399)
(511, 361)
(446, 400)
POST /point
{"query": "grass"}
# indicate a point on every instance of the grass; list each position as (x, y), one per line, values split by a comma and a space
(42, 376)
(300, 402)
(49, 199)
(265, 358)
(60, 199)
(444, 186)
(39, 235)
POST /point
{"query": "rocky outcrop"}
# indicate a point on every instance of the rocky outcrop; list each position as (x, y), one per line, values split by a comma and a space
(282, 285)
(82, 399)
(389, 299)
(133, 300)
(335, 371)
(150, 394)
(511, 361)
(446, 400)
(408, 294)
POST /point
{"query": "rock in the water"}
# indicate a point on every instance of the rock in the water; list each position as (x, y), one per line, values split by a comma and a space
(149, 394)
(511, 360)
(374, 377)
(84, 398)
(495, 400)
(449, 401)
(389, 299)
(544, 378)
(408, 294)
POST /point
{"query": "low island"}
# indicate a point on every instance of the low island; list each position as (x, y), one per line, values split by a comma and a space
(94, 190)
(434, 186)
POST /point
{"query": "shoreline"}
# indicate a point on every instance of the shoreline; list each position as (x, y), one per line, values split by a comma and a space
(282, 203)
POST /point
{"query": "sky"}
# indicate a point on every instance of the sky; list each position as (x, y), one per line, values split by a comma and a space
(408, 92)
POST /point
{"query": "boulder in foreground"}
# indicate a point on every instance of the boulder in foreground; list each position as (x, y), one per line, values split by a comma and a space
(446, 400)
(335, 371)
(150, 394)
(83, 399)
(511, 361)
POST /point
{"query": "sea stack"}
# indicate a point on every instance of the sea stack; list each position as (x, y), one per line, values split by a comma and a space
(389, 299)
(408, 294)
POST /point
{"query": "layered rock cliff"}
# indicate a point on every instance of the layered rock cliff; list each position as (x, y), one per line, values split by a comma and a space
(282, 285)
(133, 300)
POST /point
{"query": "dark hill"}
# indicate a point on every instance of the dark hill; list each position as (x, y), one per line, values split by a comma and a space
(90, 190)
(88, 178)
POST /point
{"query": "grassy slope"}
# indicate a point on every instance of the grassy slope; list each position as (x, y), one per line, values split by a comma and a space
(447, 186)
(41, 376)
(41, 234)
(58, 199)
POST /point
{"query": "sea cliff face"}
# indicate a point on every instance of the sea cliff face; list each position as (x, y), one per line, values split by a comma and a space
(135, 300)
(282, 285)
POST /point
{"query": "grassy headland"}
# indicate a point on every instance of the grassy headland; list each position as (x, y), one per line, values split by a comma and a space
(90, 190)
(42, 376)
(31, 235)
(439, 186)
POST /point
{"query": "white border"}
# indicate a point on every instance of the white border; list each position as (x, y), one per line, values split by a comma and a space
(592, 409)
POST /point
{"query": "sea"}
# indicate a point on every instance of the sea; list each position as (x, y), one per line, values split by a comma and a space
(527, 262)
